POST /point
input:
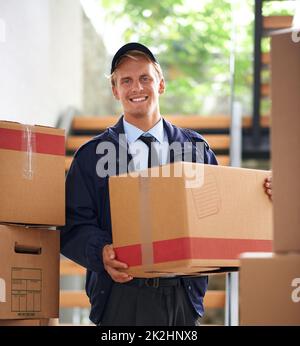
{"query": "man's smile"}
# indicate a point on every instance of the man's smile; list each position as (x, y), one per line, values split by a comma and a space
(138, 99)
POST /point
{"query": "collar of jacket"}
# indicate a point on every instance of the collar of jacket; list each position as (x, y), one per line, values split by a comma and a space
(173, 133)
(118, 128)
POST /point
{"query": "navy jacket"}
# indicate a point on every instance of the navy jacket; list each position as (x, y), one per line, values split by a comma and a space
(88, 221)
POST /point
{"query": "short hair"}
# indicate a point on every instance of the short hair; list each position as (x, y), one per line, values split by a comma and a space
(135, 54)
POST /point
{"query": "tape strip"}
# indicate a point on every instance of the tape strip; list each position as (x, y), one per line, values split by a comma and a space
(51, 144)
(145, 222)
(29, 148)
(2, 291)
(194, 248)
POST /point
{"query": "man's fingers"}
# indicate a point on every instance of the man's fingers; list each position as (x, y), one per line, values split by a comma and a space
(109, 258)
(113, 267)
(269, 193)
(268, 186)
(268, 179)
(108, 252)
(268, 182)
(116, 264)
(119, 276)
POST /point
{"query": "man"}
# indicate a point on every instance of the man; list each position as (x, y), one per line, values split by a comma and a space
(117, 298)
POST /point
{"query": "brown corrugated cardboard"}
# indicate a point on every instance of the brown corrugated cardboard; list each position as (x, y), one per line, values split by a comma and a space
(270, 290)
(29, 273)
(285, 88)
(164, 225)
(32, 175)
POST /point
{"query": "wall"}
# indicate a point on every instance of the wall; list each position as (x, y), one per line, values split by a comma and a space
(40, 59)
(97, 94)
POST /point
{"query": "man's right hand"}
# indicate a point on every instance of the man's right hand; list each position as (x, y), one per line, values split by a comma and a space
(112, 266)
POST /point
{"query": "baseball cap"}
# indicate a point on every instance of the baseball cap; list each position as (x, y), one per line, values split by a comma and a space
(126, 48)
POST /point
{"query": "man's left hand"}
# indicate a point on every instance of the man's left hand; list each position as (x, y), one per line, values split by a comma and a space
(268, 187)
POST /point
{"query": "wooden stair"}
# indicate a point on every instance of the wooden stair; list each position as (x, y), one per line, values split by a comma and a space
(277, 22)
(215, 130)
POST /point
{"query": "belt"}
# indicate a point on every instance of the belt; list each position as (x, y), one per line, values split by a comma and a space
(155, 282)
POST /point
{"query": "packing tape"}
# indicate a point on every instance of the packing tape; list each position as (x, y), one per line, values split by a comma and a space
(29, 148)
(2, 291)
(146, 223)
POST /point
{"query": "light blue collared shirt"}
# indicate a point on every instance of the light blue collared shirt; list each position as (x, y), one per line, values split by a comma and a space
(140, 160)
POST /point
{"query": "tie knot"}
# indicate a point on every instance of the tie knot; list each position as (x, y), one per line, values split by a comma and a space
(153, 158)
(147, 139)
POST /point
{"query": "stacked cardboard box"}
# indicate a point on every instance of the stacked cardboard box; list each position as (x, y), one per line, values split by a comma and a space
(189, 218)
(270, 287)
(31, 204)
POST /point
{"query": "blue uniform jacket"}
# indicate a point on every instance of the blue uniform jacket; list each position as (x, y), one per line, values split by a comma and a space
(88, 221)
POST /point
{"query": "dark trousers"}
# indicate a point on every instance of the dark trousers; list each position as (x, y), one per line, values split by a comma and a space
(149, 302)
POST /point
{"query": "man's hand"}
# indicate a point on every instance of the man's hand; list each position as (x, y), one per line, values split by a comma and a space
(268, 186)
(112, 266)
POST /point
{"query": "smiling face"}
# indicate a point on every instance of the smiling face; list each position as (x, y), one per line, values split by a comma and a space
(137, 85)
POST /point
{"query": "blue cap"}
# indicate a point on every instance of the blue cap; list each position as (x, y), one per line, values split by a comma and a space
(128, 47)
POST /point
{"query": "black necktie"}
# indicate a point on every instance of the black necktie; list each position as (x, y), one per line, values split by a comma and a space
(152, 152)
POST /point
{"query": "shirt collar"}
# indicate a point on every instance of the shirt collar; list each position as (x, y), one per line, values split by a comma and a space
(133, 132)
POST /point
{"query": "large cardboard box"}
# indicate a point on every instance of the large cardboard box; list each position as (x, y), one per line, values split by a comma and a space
(197, 219)
(29, 273)
(270, 290)
(32, 174)
(285, 89)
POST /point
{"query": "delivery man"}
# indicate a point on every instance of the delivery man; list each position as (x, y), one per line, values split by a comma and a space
(116, 297)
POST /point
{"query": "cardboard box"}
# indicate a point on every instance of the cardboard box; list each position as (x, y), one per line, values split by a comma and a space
(32, 174)
(164, 225)
(29, 273)
(285, 91)
(29, 322)
(270, 290)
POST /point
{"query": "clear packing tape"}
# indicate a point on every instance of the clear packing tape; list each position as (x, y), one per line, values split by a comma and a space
(194, 181)
(146, 223)
(28, 146)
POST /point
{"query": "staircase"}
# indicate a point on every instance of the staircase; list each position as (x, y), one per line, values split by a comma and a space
(215, 129)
